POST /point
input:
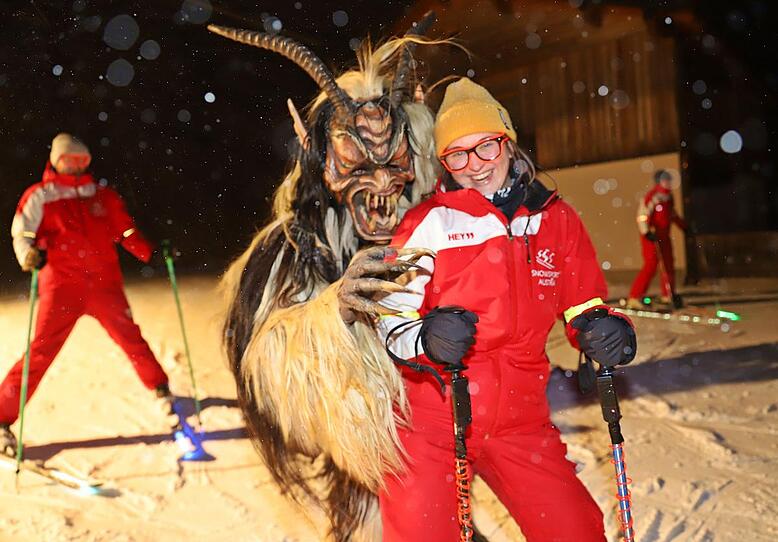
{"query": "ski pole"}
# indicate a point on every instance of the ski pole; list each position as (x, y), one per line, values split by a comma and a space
(172, 274)
(26, 372)
(611, 414)
(665, 277)
(460, 404)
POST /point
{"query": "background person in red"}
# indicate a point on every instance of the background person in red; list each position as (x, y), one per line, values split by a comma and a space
(656, 214)
(515, 258)
(67, 225)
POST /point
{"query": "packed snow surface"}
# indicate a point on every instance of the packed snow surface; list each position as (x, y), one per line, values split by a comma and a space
(700, 411)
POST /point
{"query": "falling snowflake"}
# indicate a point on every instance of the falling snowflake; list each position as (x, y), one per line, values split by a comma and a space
(340, 18)
(120, 73)
(121, 32)
(150, 49)
(196, 11)
(731, 142)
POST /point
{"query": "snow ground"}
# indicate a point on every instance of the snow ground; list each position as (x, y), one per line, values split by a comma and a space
(700, 421)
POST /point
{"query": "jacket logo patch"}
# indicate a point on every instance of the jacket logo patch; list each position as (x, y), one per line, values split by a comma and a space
(461, 236)
(545, 258)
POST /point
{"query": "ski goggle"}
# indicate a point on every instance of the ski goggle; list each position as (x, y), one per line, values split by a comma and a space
(487, 149)
(74, 162)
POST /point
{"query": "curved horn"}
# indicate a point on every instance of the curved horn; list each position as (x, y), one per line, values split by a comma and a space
(300, 55)
(404, 67)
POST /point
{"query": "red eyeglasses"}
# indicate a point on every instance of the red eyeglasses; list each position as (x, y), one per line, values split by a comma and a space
(487, 149)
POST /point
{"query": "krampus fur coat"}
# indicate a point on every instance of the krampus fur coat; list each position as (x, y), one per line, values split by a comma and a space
(320, 397)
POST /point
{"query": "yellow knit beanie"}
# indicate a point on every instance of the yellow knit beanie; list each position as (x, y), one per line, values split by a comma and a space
(468, 108)
(65, 143)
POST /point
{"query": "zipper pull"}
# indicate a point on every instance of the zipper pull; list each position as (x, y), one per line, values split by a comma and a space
(526, 244)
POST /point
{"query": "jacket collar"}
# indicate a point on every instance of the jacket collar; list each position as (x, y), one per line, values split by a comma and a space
(472, 202)
(50, 175)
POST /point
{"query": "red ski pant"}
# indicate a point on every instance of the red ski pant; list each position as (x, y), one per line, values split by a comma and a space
(514, 448)
(650, 262)
(59, 308)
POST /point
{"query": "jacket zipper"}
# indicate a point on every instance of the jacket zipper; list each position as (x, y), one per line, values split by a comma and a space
(514, 284)
(526, 245)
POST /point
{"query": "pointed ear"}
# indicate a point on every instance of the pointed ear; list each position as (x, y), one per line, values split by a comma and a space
(418, 95)
(299, 127)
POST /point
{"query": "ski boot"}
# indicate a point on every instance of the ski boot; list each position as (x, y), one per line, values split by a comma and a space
(163, 391)
(635, 304)
(677, 301)
(165, 400)
(7, 441)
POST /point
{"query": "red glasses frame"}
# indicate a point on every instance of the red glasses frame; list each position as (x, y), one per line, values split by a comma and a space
(501, 138)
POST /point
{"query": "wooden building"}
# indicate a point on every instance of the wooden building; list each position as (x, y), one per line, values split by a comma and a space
(599, 93)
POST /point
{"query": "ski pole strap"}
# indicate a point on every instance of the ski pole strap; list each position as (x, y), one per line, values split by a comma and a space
(26, 370)
(415, 365)
(586, 375)
(609, 403)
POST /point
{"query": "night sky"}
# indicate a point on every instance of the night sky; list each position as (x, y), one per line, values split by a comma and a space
(191, 128)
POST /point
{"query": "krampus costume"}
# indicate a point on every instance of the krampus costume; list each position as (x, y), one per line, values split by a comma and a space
(320, 396)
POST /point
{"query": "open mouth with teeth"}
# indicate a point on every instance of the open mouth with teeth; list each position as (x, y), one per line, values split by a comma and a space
(482, 178)
(375, 214)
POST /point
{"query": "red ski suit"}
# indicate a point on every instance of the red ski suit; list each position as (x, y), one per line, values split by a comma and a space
(519, 277)
(656, 213)
(78, 223)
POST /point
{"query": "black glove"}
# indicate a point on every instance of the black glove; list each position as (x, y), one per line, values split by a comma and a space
(606, 338)
(447, 333)
(651, 236)
(35, 259)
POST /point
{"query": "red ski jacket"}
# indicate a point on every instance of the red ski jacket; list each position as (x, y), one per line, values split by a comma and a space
(657, 212)
(78, 223)
(518, 276)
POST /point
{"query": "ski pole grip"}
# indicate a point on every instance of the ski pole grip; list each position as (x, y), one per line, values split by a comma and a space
(461, 396)
(460, 399)
(610, 404)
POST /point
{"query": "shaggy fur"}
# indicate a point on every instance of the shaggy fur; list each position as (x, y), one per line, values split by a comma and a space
(320, 398)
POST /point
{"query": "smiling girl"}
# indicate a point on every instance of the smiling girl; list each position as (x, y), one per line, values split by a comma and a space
(512, 258)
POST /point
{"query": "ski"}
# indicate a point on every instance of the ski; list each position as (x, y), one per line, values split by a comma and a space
(687, 315)
(85, 485)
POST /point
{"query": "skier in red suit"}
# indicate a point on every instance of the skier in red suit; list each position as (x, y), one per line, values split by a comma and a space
(67, 225)
(511, 259)
(656, 215)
